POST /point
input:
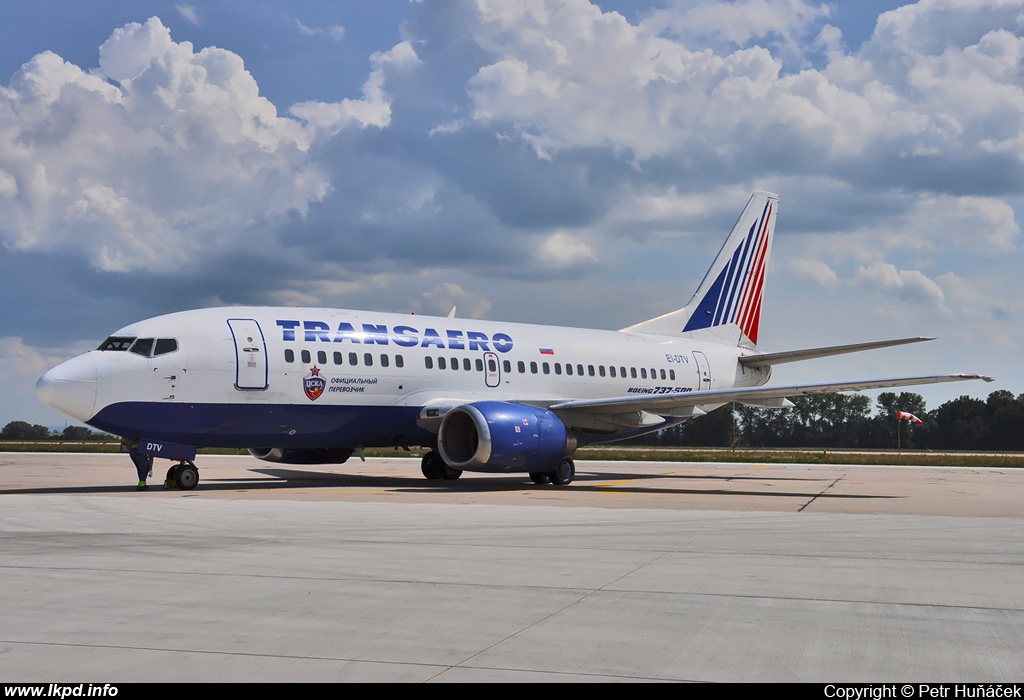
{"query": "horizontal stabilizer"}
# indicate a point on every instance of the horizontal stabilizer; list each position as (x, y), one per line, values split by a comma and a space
(768, 359)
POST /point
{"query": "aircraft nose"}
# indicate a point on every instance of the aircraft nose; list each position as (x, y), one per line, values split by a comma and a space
(70, 387)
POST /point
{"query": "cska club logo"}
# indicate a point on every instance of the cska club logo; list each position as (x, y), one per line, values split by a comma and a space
(314, 384)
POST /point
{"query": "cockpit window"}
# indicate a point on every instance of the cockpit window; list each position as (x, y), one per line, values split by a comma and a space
(116, 343)
(142, 346)
(164, 346)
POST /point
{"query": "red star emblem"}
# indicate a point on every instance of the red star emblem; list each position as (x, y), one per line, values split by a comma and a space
(314, 371)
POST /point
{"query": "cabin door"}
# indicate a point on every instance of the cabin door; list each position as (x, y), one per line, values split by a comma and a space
(703, 370)
(250, 354)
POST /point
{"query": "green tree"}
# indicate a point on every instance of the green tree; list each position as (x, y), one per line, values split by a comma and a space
(78, 433)
(20, 430)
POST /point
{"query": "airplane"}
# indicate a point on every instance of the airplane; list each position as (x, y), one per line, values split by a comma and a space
(314, 386)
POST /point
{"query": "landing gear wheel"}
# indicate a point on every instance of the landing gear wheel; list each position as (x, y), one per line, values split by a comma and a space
(186, 476)
(540, 478)
(564, 474)
(450, 473)
(434, 468)
(431, 466)
(172, 473)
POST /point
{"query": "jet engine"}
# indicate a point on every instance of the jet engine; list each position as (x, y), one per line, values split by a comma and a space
(497, 436)
(286, 455)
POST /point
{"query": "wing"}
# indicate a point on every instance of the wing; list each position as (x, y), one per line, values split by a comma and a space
(640, 411)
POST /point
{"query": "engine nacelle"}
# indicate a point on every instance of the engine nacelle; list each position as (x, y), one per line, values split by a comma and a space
(287, 455)
(497, 436)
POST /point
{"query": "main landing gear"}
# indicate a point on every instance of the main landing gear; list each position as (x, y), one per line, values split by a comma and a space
(559, 477)
(433, 467)
(183, 476)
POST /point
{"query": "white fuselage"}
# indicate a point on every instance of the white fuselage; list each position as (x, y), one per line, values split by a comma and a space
(245, 376)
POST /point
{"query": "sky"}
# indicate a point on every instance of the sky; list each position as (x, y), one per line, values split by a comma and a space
(568, 162)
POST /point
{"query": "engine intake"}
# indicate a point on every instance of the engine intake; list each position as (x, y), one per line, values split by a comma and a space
(498, 436)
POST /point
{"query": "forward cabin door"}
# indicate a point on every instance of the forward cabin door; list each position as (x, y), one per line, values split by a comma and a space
(250, 354)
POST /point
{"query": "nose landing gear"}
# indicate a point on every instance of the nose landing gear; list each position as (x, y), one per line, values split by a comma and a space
(182, 476)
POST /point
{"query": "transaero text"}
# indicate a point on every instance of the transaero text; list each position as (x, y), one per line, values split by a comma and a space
(402, 336)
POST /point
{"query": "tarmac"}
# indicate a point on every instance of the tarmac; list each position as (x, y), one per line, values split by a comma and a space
(634, 572)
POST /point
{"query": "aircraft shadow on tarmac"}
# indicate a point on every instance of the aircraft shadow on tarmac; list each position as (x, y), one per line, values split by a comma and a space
(585, 481)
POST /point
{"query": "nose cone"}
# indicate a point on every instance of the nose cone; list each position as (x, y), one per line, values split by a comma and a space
(71, 387)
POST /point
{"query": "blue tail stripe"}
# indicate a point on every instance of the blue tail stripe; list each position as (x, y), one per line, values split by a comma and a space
(702, 315)
(741, 260)
(719, 305)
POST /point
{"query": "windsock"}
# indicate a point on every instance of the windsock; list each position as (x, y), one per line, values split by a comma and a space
(903, 415)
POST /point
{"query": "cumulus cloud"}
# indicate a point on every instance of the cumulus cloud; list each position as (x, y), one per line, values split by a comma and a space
(160, 153)
(743, 21)
(910, 285)
(448, 296)
(934, 89)
(816, 271)
(374, 109)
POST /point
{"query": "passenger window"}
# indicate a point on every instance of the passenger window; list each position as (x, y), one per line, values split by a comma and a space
(643, 373)
(353, 359)
(506, 365)
(399, 361)
(558, 368)
(339, 359)
(632, 372)
(521, 366)
(305, 357)
(546, 367)
(289, 355)
(590, 370)
(368, 359)
(442, 363)
(384, 361)
(600, 370)
(568, 369)
(533, 368)
(579, 370)
(455, 363)
(663, 374)
(611, 370)
(467, 364)
(428, 362)
(321, 357)
(492, 366)
(479, 365)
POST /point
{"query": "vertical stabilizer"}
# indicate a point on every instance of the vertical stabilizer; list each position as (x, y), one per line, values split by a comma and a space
(727, 305)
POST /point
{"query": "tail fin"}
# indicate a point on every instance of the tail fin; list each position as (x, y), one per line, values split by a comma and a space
(727, 305)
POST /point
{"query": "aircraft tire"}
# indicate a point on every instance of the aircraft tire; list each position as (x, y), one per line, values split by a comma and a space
(540, 478)
(564, 474)
(431, 466)
(187, 476)
(449, 473)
